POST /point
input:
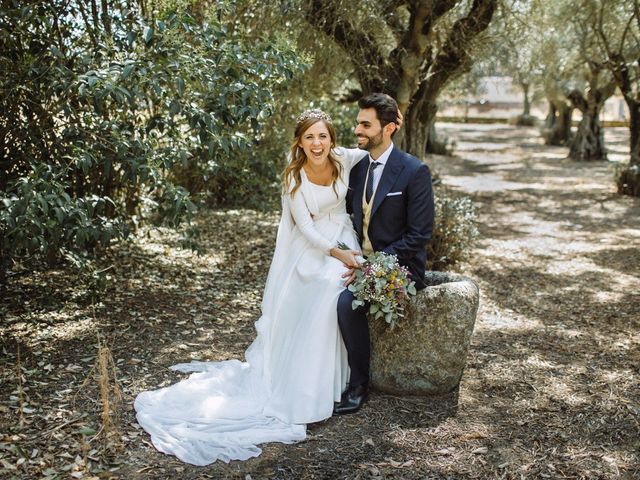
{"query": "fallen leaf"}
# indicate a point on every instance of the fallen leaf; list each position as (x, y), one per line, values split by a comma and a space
(480, 450)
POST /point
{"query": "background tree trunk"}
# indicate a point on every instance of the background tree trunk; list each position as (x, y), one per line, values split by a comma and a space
(550, 120)
(588, 143)
(558, 123)
(629, 177)
(634, 132)
(525, 119)
(417, 69)
(622, 62)
(527, 102)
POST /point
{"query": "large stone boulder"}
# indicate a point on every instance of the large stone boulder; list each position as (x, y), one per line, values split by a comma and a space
(426, 353)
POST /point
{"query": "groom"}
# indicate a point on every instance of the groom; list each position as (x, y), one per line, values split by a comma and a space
(391, 203)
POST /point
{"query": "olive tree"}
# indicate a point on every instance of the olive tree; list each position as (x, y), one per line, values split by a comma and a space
(593, 83)
(409, 49)
(617, 26)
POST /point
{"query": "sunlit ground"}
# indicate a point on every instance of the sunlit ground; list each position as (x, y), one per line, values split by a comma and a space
(551, 388)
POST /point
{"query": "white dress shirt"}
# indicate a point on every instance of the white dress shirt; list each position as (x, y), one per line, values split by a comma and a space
(382, 160)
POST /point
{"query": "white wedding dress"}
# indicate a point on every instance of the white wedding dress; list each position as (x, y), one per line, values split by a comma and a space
(297, 365)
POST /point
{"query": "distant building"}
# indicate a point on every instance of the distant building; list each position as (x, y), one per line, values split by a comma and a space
(499, 91)
(498, 97)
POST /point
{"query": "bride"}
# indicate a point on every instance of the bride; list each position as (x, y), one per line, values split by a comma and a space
(297, 367)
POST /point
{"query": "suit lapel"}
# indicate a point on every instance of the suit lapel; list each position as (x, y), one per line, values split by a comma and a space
(389, 175)
(358, 190)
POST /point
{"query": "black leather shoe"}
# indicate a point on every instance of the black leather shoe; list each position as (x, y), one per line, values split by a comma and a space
(343, 396)
(352, 399)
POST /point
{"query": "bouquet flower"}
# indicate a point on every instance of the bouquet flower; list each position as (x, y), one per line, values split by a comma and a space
(383, 283)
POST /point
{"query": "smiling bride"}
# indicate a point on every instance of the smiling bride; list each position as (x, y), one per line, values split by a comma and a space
(297, 366)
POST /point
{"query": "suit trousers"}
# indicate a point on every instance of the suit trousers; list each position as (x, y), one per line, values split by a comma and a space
(354, 328)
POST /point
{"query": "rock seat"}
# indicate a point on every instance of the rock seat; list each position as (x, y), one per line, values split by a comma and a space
(426, 354)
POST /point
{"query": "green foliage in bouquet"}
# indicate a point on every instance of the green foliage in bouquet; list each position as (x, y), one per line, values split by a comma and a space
(454, 231)
(385, 284)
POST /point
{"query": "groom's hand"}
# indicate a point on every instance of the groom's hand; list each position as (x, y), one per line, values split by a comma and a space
(350, 276)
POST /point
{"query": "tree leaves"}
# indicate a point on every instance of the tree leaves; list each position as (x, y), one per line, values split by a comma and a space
(147, 34)
(116, 117)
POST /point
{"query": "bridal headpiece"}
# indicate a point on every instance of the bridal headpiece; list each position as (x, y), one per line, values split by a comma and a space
(314, 113)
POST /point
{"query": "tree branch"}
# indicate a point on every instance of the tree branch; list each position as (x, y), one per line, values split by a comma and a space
(90, 30)
(412, 55)
(106, 19)
(577, 99)
(627, 29)
(362, 47)
(392, 20)
(600, 31)
(454, 54)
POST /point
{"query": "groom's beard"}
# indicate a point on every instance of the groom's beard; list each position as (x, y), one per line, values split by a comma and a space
(372, 142)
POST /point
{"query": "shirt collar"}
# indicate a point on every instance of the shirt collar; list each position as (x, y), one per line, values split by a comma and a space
(382, 159)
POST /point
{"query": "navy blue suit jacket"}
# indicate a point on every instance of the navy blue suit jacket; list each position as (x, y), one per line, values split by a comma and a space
(400, 224)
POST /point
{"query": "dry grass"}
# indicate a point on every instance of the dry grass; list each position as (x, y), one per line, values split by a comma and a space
(20, 388)
(104, 373)
(551, 388)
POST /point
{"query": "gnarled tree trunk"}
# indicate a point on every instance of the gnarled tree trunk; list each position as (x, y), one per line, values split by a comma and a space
(420, 124)
(558, 123)
(436, 144)
(416, 70)
(629, 177)
(525, 119)
(588, 143)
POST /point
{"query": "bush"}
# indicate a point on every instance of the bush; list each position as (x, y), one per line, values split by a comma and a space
(454, 231)
(252, 178)
(109, 112)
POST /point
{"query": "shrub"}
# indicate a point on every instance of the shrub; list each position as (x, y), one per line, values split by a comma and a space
(94, 119)
(454, 231)
(251, 179)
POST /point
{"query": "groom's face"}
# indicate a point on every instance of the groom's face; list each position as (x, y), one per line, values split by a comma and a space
(368, 129)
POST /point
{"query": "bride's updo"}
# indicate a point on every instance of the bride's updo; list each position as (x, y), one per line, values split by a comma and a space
(291, 175)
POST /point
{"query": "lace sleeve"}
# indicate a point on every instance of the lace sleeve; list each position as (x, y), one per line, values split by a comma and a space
(302, 218)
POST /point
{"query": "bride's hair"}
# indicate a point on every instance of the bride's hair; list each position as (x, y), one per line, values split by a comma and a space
(291, 174)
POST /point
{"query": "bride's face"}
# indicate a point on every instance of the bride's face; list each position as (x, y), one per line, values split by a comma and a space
(316, 143)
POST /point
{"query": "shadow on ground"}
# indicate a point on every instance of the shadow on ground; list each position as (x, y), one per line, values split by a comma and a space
(550, 389)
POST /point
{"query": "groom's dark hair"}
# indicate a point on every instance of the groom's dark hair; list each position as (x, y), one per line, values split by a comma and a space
(385, 106)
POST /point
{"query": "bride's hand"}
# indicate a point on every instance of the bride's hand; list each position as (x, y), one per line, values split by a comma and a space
(348, 257)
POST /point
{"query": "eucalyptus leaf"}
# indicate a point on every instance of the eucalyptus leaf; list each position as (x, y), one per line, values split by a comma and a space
(127, 71)
(147, 34)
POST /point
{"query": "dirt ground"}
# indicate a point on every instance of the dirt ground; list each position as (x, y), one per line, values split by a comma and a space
(551, 388)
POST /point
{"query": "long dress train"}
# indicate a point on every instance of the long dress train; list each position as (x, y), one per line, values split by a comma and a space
(297, 365)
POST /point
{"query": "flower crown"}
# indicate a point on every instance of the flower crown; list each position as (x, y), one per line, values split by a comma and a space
(314, 113)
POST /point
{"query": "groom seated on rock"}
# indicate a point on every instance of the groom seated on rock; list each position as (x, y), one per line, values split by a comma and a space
(390, 200)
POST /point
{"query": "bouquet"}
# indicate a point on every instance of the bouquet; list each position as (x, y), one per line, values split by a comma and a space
(385, 284)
